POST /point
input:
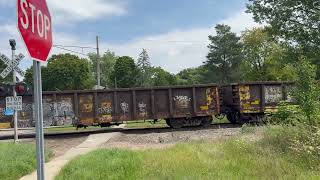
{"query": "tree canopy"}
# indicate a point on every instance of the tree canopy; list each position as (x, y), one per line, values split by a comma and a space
(64, 72)
(264, 57)
(224, 54)
(125, 73)
(293, 20)
(144, 67)
(107, 62)
(160, 77)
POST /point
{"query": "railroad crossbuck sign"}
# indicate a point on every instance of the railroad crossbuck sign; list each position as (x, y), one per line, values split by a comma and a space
(11, 65)
(34, 24)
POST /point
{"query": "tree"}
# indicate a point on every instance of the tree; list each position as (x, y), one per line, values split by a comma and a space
(107, 62)
(291, 19)
(191, 76)
(224, 55)
(64, 72)
(144, 67)
(264, 58)
(125, 73)
(160, 77)
(307, 92)
(294, 21)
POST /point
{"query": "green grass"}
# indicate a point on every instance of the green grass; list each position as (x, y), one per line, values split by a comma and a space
(230, 159)
(72, 129)
(146, 124)
(16, 160)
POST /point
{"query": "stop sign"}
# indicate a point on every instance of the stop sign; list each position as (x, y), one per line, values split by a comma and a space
(34, 24)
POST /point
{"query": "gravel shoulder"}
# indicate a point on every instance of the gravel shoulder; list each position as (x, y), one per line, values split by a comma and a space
(167, 138)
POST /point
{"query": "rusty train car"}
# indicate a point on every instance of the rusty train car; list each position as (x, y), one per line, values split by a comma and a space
(179, 105)
(251, 102)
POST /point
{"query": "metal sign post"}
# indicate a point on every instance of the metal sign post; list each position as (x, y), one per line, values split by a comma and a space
(39, 118)
(15, 113)
(35, 26)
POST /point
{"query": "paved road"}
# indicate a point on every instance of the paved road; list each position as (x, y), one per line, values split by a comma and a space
(10, 132)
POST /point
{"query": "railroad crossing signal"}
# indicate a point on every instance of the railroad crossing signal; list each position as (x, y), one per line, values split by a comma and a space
(11, 65)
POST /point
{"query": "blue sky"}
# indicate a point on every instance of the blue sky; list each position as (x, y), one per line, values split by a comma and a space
(127, 26)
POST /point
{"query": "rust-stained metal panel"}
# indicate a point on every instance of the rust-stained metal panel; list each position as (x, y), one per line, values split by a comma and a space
(143, 105)
(125, 106)
(250, 98)
(207, 101)
(256, 97)
(105, 107)
(182, 102)
(86, 109)
(161, 103)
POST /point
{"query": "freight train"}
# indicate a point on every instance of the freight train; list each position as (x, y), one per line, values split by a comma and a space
(180, 106)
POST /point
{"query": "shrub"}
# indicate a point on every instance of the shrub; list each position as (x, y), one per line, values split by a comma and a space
(301, 140)
(307, 92)
(288, 114)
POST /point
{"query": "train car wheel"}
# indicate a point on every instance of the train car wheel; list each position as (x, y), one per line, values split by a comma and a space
(168, 122)
(206, 121)
(233, 117)
(176, 123)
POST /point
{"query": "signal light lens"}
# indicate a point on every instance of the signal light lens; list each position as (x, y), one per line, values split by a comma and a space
(20, 89)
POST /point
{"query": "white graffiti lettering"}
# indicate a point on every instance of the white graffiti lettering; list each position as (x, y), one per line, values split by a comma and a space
(142, 107)
(124, 107)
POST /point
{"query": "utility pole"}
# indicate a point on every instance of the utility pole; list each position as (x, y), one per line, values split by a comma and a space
(15, 115)
(98, 64)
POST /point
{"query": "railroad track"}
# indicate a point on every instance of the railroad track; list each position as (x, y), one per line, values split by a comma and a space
(122, 130)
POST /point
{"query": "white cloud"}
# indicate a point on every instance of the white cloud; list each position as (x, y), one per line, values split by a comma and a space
(240, 21)
(173, 51)
(166, 51)
(65, 12)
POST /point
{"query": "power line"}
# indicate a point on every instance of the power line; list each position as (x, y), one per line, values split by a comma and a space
(82, 47)
(173, 41)
(71, 51)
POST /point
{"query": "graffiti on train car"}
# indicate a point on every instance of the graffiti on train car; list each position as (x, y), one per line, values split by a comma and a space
(210, 99)
(273, 94)
(182, 101)
(105, 112)
(59, 113)
(124, 107)
(142, 109)
(87, 107)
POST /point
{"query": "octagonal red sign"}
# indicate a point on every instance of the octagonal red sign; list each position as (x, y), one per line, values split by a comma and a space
(35, 27)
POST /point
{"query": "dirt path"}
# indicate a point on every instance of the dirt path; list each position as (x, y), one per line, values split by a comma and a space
(59, 146)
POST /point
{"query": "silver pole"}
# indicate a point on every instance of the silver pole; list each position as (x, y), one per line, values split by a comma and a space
(39, 119)
(15, 115)
(98, 63)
